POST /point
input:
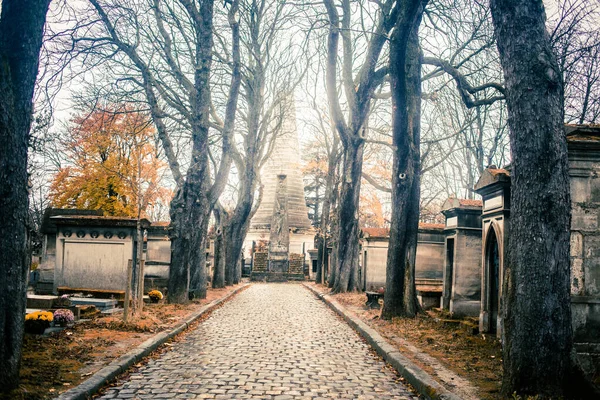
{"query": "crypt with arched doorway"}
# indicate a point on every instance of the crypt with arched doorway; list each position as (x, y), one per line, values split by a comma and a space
(494, 188)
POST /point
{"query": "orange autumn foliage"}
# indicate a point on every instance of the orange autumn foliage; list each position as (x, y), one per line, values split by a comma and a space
(112, 165)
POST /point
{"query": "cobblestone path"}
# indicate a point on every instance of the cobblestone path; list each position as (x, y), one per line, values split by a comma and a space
(272, 341)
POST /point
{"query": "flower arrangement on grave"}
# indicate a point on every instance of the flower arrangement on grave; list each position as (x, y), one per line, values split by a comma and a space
(155, 296)
(63, 317)
(37, 322)
(63, 301)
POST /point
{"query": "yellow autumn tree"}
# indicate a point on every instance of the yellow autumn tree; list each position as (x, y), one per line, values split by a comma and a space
(111, 164)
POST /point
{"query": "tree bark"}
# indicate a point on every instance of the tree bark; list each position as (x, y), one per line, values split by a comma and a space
(190, 210)
(195, 198)
(334, 238)
(21, 31)
(537, 334)
(346, 278)
(236, 233)
(352, 130)
(322, 256)
(405, 79)
(218, 278)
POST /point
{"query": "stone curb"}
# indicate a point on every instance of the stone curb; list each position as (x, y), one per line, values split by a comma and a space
(90, 386)
(414, 375)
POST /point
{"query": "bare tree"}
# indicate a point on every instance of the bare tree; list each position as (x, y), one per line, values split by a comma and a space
(269, 74)
(405, 74)
(575, 38)
(352, 125)
(161, 53)
(537, 334)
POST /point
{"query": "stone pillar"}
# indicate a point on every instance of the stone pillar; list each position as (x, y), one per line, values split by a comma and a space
(279, 240)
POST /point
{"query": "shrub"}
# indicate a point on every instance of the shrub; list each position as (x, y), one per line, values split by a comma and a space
(63, 317)
(155, 296)
(37, 322)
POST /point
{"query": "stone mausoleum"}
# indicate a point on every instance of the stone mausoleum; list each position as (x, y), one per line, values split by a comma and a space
(281, 222)
(584, 170)
(462, 261)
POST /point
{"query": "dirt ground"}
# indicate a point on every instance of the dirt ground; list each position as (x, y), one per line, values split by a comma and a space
(474, 361)
(53, 364)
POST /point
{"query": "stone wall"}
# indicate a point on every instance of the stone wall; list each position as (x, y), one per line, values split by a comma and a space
(429, 263)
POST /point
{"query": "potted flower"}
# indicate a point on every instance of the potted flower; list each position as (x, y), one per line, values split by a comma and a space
(37, 322)
(63, 317)
(155, 296)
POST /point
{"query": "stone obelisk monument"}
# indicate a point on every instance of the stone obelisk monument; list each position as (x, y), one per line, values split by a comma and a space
(282, 217)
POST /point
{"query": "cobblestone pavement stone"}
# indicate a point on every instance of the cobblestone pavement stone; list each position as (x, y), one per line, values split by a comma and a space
(272, 341)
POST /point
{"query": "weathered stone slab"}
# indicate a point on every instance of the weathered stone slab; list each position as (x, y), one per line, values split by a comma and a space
(40, 301)
(101, 304)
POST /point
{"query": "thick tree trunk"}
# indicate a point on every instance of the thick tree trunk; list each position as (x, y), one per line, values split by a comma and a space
(190, 210)
(537, 335)
(189, 223)
(405, 76)
(21, 29)
(346, 278)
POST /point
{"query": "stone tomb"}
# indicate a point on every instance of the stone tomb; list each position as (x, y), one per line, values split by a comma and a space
(92, 252)
(429, 262)
(494, 188)
(462, 264)
(584, 171)
(45, 283)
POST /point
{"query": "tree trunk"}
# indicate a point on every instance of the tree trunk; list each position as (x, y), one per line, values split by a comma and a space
(190, 210)
(346, 278)
(21, 29)
(405, 77)
(197, 268)
(334, 237)
(328, 200)
(236, 233)
(537, 334)
(319, 243)
(218, 278)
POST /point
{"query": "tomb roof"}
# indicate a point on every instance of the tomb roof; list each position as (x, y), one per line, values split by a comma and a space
(453, 202)
(160, 223)
(583, 138)
(429, 226)
(491, 175)
(98, 220)
(375, 232)
(49, 224)
(385, 232)
(576, 132)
